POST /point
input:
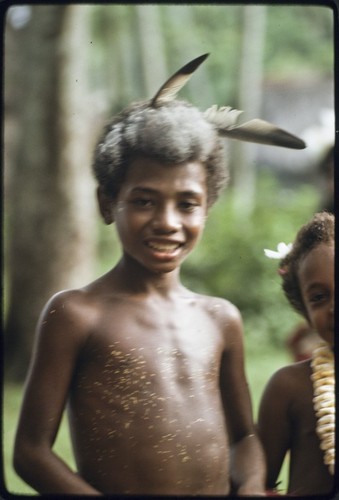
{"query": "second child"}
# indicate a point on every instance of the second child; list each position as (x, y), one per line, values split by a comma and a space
(297, 410)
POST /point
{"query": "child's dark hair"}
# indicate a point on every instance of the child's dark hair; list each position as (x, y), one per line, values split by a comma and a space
(320, 229)
(175, 132)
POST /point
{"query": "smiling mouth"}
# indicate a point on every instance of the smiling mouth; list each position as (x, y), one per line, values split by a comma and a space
(164, 246)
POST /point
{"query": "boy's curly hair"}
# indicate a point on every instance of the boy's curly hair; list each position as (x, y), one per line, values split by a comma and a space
(320, 229)
(175, 132)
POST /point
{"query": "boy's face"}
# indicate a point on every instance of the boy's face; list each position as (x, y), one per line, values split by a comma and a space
(160, 212)
(316, 278)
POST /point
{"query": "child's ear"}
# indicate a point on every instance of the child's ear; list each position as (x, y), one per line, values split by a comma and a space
(105, 206)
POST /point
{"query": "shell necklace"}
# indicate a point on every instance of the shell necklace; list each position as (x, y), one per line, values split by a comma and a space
(324, 400)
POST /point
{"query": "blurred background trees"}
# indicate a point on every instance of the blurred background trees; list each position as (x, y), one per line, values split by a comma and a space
(50, 207)
(68, 67)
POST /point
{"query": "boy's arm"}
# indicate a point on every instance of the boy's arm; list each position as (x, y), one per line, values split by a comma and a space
(273, 424)
(60, 335)
(247, 458)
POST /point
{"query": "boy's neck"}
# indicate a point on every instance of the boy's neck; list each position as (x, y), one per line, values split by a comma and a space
(134, 278)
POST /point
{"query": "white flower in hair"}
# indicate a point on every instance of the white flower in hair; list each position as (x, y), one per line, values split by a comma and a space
(282, 250)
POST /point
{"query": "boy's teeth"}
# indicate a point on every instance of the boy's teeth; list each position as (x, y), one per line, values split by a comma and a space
(163, 246)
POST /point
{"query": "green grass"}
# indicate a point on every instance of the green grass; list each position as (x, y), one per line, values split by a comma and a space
(260, 364)
(12, 401)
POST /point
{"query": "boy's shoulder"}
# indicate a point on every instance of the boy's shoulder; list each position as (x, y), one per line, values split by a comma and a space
(217, 305)
(77, 305)
(221, 311)
(88, 295)
(69, 298)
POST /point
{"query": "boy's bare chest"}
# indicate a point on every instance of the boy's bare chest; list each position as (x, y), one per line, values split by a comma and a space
(152, 346)
(148, 381)
(174, 327)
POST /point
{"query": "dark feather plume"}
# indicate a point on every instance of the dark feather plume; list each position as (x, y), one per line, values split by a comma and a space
(256, 130)
(225, 118)
(169, 90)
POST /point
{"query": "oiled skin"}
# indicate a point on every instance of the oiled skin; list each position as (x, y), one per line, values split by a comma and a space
(159, 395)
(147, 411)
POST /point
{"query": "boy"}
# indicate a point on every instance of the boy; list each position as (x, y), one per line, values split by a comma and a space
(153, 373)
(297, 411)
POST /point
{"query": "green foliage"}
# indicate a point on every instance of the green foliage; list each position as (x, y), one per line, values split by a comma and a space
(298, 41)
(229, 261)
(109, 249)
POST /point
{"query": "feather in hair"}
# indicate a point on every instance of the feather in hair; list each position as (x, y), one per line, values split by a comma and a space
(225, 118)
(169, 90)
(256, 130)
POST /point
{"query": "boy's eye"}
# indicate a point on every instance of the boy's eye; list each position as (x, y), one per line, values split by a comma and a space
(142, 202)
(189, 206)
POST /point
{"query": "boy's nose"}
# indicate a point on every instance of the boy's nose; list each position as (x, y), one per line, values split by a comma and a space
(166, 220)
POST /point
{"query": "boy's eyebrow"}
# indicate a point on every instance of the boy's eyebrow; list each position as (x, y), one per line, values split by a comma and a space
(187, 192)
(143, 190)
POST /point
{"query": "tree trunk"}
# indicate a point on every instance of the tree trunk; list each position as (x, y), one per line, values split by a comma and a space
(50, 195)
(151, 48)
(250, 90)
(186, 44)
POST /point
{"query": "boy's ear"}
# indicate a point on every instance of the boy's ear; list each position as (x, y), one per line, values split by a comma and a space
(105, 206)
